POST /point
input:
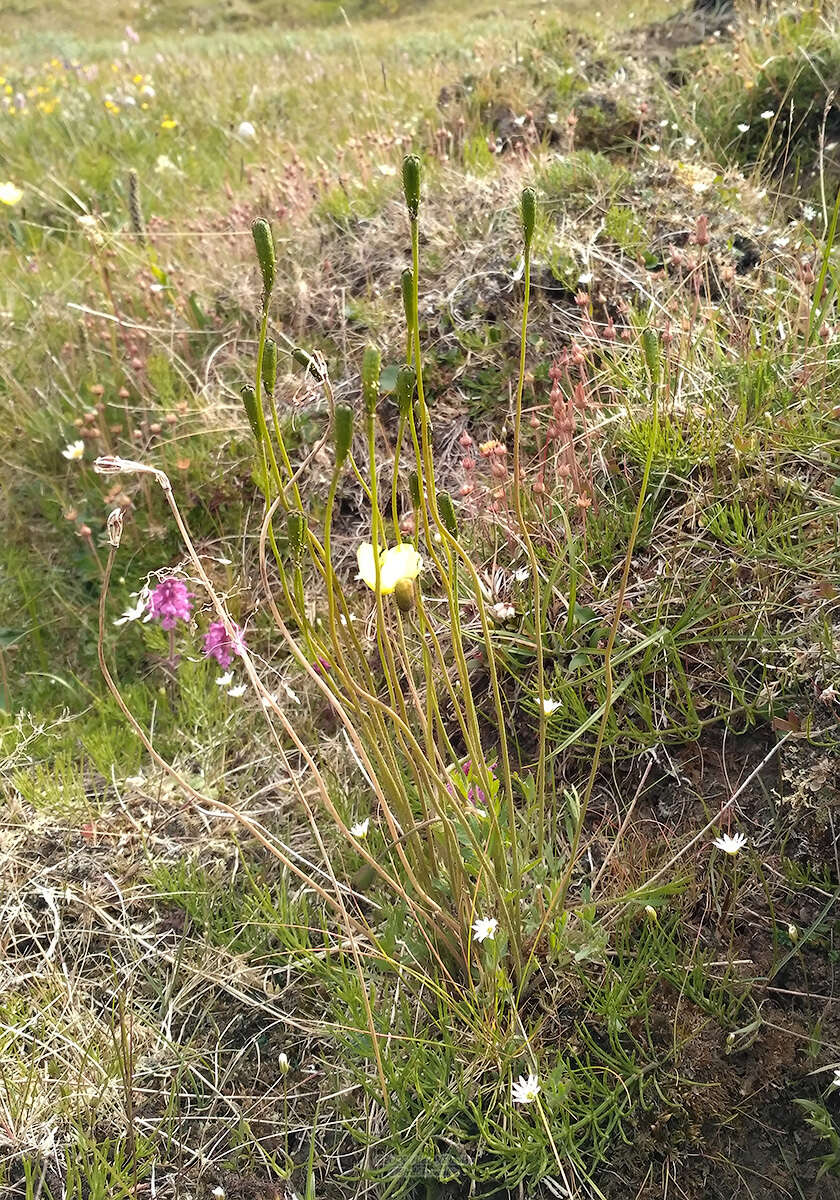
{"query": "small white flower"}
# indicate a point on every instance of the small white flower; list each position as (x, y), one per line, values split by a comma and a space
(521, 574)
(137, 611)
(73, 451)
(502, 611)
(743, 128)
(690, 141)
(768, 114)
(549, 706)
(484, 928)
(247, 131)
(293, 696)
(387, 169)
(164, 163)
(237, 692)
(219, 1193)
(835, 1083)
(525, 1091)
(730, 843)
(224, 680)
(551, 118)
(283, 1063)
(147, 90)
(808, 212)
(359, 830)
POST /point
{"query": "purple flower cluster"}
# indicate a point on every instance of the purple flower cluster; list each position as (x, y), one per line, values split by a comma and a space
(170, 602)
(218, 645)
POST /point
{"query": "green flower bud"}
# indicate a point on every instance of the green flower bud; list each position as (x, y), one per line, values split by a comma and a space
(404, 595)
(650, 346)
(406, 379)
(269, 366)
(411, 184)
(249, 399)
(296, 533)
(529, 214)
(343, 432)
(414, 488)
(304, 359)
(408, 296)
(447, 513)
(264, 243)
(371, 366)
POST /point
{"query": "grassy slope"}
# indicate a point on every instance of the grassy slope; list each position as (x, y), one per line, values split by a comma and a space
(192, 962)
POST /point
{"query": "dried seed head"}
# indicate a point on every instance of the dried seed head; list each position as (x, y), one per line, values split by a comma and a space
(115, 526)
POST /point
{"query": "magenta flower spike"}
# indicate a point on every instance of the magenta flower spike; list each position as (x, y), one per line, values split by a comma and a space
(170, 602)
(218, 645)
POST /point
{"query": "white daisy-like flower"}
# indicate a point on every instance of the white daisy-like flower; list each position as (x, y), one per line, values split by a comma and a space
(485, 928)
(521, 574)
(135, 612)
(359, 830)
(73, 451)
(525, 1091)
(730, 843)
(550, 706)
(690, 141)
(246, 131)
(768, 114)
(239, 691)
(808, 212)
(743, 128)
(224, 680)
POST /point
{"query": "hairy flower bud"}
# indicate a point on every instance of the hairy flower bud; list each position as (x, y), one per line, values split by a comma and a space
(406, 379)
(650, 346)
(343, 432)
(371, 366)
(269, 366)
(407, 283)
(249, 399)
(411, 184)
(404, 595)
(264, 243)
(296, 533)
(447, 513)
(308, 362)
(414, 488)
(529, 214)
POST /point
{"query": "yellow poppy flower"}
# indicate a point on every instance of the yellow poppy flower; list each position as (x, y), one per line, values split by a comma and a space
(10, 194)
(398, 563)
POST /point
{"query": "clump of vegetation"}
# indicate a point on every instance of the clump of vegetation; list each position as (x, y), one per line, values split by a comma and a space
(419, 686)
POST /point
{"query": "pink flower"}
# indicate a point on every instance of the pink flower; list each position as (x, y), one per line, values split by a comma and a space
(170, 602)
(218, 645)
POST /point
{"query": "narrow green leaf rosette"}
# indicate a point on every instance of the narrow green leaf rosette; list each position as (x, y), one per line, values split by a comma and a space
(406, 380)
(269, 366)
(529, 214)
(266, 255)
(249, 399)
(411, 184)
(371, 367)
(343, 433)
